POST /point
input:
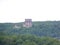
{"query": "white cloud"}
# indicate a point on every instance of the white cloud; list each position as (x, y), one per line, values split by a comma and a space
(18, 10)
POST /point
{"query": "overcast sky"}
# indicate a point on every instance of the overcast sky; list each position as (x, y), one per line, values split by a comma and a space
(37, 10)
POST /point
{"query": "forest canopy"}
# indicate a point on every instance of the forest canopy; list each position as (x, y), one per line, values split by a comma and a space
(41, 33)
(27, 40)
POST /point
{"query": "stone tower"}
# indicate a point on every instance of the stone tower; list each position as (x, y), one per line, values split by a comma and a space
(27, 23)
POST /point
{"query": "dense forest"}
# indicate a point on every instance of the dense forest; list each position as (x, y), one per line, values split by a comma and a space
(41, 33)
(27, 40)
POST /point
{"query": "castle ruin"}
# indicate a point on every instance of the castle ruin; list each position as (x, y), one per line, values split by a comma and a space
(27, 23)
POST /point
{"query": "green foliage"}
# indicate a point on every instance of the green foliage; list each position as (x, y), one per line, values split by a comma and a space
(38, 34)
(48, 28)
(27, 40)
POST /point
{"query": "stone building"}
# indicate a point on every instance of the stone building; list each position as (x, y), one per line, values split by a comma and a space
(27, 23)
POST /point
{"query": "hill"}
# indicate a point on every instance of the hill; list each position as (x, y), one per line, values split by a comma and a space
(44, 28)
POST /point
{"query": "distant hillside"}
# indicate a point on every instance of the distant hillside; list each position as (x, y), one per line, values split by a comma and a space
(44, 28)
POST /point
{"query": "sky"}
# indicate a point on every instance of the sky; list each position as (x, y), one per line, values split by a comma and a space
(37, 10)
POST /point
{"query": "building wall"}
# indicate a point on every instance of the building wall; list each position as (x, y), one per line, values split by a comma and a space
(27, 23)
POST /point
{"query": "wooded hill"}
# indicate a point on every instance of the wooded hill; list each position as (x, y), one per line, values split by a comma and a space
(43, 28)
(41, 33)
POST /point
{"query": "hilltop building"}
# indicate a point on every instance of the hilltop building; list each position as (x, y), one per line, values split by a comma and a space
(27, 23)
